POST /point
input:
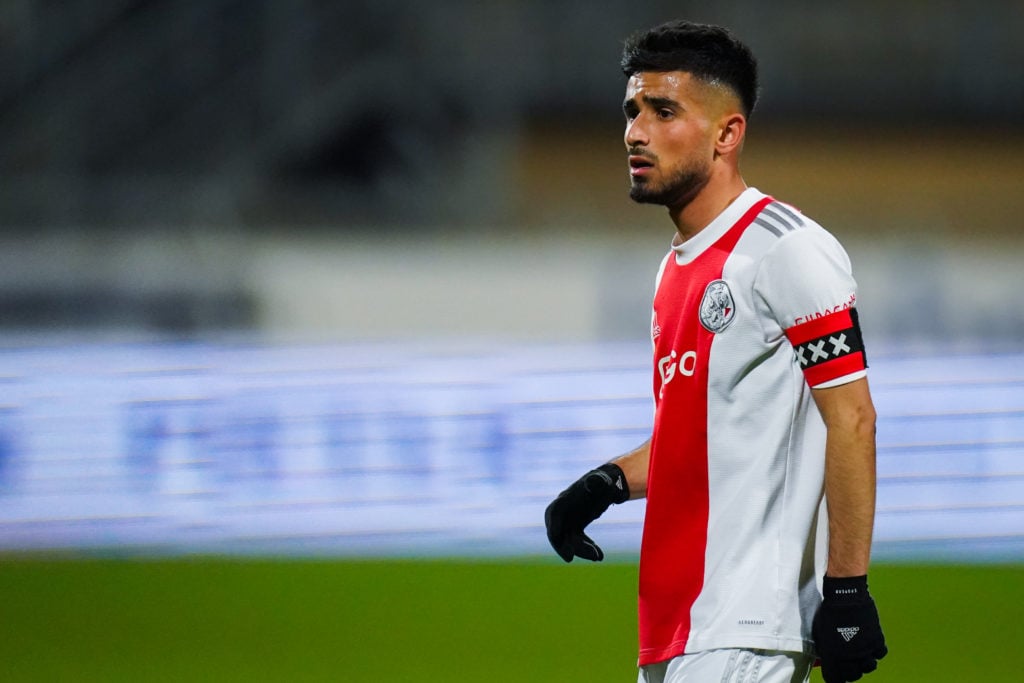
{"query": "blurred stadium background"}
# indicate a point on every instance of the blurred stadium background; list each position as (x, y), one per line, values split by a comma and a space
(308, 308)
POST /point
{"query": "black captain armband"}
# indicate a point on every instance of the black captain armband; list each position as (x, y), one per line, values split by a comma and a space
(829, 347)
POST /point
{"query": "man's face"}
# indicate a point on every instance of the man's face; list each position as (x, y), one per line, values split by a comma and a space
(670, 136)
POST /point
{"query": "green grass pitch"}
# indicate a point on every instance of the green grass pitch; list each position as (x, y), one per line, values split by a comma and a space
(211, 619)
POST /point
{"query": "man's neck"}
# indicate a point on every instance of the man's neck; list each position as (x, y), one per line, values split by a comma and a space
(705, 207)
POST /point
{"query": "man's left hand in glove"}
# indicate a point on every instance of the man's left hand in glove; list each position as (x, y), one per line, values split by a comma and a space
(846, 630)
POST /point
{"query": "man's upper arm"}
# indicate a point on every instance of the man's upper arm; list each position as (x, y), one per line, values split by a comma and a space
(847, 405)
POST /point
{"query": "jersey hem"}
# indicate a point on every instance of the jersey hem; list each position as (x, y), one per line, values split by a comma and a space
(839, 381)
(726, 641)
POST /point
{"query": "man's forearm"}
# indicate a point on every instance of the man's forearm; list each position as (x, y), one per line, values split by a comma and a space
(850, 495)
(634, 467)
(849, 476)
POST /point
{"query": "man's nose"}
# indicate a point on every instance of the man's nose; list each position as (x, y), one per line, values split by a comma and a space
(636, 134)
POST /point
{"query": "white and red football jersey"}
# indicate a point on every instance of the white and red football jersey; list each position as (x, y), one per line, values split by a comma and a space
(749, 314)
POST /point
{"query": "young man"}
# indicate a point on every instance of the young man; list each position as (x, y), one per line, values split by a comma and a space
(760, 471)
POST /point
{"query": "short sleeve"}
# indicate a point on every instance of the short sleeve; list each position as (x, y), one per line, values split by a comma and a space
(806, 284)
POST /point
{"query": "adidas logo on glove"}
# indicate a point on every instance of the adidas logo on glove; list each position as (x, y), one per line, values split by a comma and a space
(848, 632)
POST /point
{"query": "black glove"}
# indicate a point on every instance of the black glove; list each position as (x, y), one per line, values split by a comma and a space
(579, 505)
(846, 630)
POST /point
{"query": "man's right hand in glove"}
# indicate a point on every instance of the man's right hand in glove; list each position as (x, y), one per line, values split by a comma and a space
(579, 505)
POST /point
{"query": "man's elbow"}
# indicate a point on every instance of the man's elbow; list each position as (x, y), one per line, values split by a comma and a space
(864, 420)
(854, 418)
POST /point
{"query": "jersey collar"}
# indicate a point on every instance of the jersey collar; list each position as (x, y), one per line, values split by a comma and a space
(687, 251)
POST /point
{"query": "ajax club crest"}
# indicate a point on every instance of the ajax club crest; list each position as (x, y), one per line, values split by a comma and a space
(717, 309)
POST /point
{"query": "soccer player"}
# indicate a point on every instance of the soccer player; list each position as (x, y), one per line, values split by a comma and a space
(760, 471)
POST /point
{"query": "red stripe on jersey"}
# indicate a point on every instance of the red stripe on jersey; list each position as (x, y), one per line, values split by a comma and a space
(676, 521)
(834, 369)
(819, 327)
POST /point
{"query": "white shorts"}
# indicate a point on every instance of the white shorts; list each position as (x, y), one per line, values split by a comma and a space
(731, 666)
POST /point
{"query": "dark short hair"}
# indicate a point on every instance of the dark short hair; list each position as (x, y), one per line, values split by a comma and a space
(709, 53)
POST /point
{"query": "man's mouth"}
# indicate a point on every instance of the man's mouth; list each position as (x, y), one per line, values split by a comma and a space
(639, 165)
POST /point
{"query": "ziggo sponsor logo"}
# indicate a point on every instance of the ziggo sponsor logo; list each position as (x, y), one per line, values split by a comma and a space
(669, 365)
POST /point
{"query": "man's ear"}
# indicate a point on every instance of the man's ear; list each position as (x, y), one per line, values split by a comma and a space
(732, 129)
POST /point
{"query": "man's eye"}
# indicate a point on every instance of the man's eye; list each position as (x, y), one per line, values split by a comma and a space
(665, 113)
